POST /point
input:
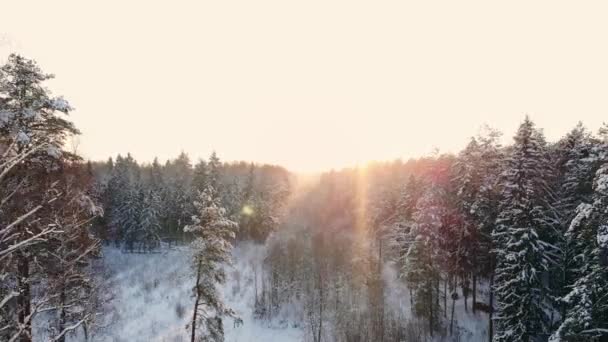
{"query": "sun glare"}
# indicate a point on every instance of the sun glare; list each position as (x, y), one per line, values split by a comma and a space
(247, 210)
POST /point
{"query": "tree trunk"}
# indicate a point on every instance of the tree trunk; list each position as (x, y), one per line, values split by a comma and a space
(411, 299)
(24, 301)
(62, 314)
(431, 311)
(452, 317)
(438, 291)
(445, 297)
(490, 322)
(474, 290)
(196, 301)
(320, 309)
(380, 296)
(465, 292)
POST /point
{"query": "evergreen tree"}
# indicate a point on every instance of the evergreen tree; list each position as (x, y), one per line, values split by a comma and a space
(70, 289)
(213, 171)
(157, 182)
(150, 220)
(211, 247)
(524, 225)
(586, 314)
(422, 276)
(33, 130)
(576, 162)
(179, 197)
(575, 166)
(475, 177)
(430, 237)
(199, 179)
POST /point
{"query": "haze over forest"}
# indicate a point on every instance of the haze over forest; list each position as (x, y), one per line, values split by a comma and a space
(327, 171)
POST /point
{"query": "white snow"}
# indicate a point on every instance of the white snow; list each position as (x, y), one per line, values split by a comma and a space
(602, 183)
(584, 210)
(61, 104)
(54, 152)
(22, 138)
(152, 298)
(5, 117)
(149, 299)
(29, 113)
(602, 236)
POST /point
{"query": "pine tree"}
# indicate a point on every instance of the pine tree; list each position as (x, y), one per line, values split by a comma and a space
(156, 176)
(246, 220)
(576, 166)
(213, 233)
(422, 275)
(524, 225)
(430, 238)
(199, 179)
(213, 171)
(179, 196)
(400, 237)
(150, 221)
(475, 177)
(33, 127)
(576, 162)
(586, 315)
(121, 199)
(129, 216)
(69, 286)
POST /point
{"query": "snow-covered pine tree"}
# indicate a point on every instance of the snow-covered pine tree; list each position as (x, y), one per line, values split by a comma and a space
(575, 168)
(411, 193)
(429, 236)
(422, 275)
(467, 179)
(475, 175)
(586, 312)
(199, 178)
(524, 224)
(399, 238)
(129, 216)
(70, 288)
(247, 204)
(211, 248)
(576, 162)
(157, 181)
(150, 224)
(120, 195)
(179, 196)
(33, 128)
(214, 166)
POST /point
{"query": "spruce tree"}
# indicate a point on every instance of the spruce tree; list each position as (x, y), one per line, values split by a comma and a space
(422, 275)
(586, 314)
(33, 128)
(524, 225)
(199, 179)
(576, 163)
(213, 234)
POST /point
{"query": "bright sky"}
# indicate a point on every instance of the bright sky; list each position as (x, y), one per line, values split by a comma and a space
(313, 84)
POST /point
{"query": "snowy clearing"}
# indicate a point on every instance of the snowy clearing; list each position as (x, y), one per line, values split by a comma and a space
(152, 297)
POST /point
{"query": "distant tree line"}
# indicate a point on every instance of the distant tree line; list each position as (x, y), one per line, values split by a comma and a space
(146, 204)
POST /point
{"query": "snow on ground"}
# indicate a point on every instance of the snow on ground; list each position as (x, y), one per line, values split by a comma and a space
(151, 297)
(468, 326)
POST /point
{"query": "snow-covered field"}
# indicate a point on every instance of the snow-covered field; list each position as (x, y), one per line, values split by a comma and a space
(151, 298)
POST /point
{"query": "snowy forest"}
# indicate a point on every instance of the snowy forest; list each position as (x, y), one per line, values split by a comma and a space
(500, 242)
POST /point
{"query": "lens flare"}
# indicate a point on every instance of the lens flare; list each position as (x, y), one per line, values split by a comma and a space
(247, 210)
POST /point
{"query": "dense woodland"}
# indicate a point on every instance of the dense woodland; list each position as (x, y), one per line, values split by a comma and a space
(517, 233)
